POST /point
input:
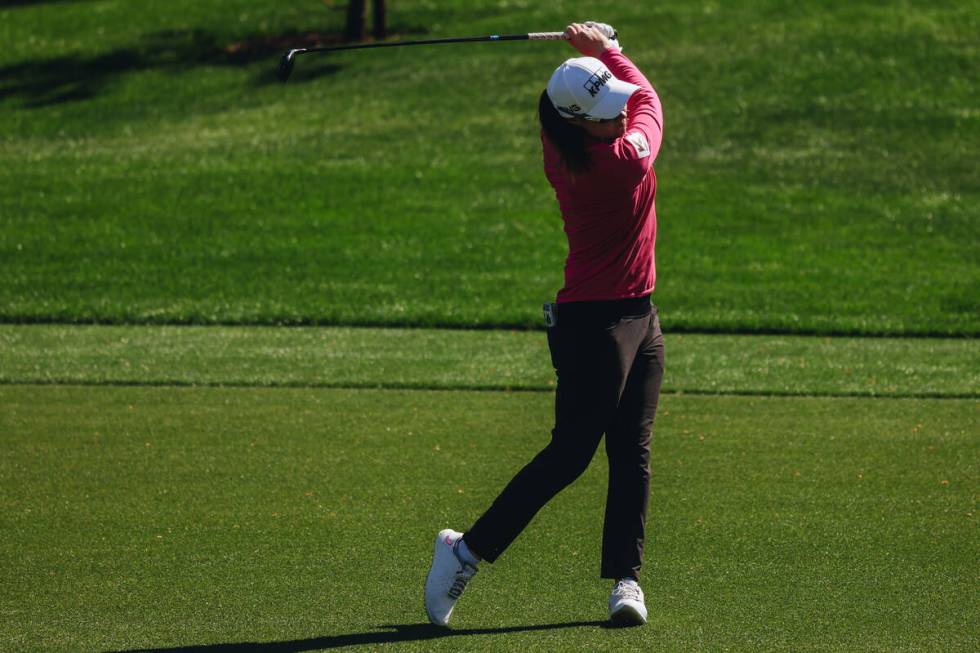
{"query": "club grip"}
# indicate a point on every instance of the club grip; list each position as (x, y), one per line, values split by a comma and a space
(546, 36)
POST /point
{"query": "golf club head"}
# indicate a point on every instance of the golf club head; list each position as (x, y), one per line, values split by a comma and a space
(286, 65)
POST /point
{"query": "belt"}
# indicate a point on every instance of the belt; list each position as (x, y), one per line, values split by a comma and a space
(612, 309)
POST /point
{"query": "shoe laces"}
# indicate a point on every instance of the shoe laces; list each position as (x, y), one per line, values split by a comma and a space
(627, 589)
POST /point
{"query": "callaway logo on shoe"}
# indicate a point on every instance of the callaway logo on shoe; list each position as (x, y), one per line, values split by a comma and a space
(448, 576)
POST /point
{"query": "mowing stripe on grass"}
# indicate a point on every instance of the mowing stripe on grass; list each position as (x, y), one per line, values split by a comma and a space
(682, 326)
(423, 387)
(341, 357)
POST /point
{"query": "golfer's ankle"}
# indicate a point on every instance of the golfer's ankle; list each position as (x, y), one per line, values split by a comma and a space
(468, 554)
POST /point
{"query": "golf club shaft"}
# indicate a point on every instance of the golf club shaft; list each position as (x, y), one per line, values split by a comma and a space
(533, 36)
(289, 58)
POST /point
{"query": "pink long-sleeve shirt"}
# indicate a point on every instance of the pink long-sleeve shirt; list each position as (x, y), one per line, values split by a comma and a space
(609, 211)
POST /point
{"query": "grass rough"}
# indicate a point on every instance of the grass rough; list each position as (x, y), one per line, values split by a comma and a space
(816, 175)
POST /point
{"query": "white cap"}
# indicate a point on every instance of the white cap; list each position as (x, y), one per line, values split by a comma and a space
(584, 88)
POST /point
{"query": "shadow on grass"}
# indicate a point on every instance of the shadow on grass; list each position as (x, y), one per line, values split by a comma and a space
(389, 634)
(71, 78)
(22, 3)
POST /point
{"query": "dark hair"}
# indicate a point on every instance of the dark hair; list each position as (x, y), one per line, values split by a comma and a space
(567, 138)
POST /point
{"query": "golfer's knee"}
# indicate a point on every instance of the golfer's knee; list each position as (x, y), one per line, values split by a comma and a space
(566, 462)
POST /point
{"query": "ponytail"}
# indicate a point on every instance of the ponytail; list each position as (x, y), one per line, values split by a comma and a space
(567, 138)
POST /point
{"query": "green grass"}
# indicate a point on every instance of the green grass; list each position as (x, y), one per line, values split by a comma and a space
(163, 517)
(168, 486)
(816, 175)
(474, 360)
(157, 516)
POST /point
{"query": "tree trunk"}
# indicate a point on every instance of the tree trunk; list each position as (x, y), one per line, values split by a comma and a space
(380, 19)
(355, 20)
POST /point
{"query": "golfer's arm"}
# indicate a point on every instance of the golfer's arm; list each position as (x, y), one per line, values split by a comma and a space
(623, 68)
(645, 114)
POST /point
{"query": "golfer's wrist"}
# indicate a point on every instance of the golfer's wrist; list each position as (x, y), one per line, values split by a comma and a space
(612, 49)
(595, 52)
(601, 48)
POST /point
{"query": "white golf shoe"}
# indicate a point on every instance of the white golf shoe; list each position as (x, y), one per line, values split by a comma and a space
(626, 607)
(447, 577)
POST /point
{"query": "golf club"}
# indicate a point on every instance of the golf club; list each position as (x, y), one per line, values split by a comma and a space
(289, 59)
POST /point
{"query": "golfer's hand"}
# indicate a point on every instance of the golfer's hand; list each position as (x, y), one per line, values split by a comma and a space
(608, 30)
(589, 41)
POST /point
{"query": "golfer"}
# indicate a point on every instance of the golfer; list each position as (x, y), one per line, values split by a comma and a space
(601, 126)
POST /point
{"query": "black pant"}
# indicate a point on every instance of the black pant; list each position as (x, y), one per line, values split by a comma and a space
(609, 358)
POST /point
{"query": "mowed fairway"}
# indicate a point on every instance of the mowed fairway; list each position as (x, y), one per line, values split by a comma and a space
(161, 517)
